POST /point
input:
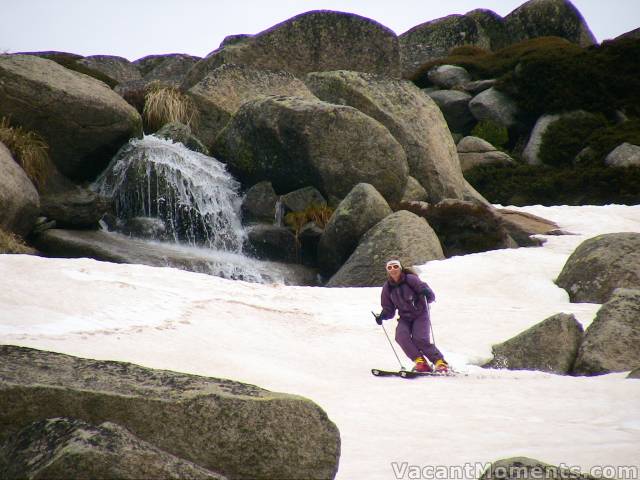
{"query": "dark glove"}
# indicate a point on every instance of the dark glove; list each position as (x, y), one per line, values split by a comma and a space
(378, 318)
(427, 292)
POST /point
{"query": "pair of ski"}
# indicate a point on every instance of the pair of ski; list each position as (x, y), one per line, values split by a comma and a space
(409, 373)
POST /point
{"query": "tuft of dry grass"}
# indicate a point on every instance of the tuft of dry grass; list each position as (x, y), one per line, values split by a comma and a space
(165, 104)
(29, 149)
(10, 243)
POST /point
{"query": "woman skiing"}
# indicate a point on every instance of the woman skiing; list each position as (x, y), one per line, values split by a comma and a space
(405, 292)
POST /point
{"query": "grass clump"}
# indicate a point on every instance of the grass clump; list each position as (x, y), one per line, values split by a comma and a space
(165, 104)
(28, 149)
(11, 243)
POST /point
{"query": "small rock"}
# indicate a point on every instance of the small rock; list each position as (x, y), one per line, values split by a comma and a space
(624, 155)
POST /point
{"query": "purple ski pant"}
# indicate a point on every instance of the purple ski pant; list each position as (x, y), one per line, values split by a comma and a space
(413, 337)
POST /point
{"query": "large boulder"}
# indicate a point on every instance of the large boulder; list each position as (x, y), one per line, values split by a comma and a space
(180, 133)
(63, 448)
(550, 346)
(448, 76)
(600, 265)
(296, 142)
(259, 203)
(548, 18)
(170, 68)
(301, 199)
(312, 42)
(221, 92)
(118, 68)
(414, 192)
(273, 242)
(239, 430)
(434, 39)
(360, 210)
(75, 208)
(531, 153)
(412, 118)
(518, 468)
(495, 106)
(474, 151)
(83, 121)
(455, 108)
(611, 343)
(401, 234)
(624, 155)
(19, 199)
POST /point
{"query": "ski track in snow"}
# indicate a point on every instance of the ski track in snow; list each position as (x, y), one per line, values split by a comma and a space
(321, 343)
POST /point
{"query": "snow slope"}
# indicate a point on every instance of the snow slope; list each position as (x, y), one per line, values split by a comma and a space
(321, 343)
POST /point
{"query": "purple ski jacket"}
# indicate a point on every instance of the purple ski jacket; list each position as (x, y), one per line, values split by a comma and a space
(407, 296)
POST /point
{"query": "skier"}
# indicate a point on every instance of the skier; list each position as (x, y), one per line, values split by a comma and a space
(405, 292)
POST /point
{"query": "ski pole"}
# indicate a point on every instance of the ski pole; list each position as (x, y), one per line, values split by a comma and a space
(433, 337)
(391, 344)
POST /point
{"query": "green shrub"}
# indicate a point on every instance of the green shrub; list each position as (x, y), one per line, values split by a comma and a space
(566, 137)
(484, 64)
(601, 78)
(28, 149)
(496, 135)
(529, 185)
(604, 140)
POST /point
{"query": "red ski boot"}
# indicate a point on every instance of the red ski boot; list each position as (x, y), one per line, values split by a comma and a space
(421, 366)
(442, 366)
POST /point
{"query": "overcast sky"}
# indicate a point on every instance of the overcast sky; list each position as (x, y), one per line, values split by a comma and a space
(136, 28)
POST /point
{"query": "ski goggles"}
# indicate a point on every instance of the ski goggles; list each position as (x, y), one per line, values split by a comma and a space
(393, 265)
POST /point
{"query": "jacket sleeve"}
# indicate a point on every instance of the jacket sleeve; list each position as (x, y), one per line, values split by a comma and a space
(388, 308)
(420, 287)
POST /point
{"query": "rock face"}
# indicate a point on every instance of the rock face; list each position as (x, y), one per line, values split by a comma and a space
(531, 153)
(495, 106)
(259, 202)
(433, 39)
(401, 234)
(119, 69)
(474, 151)
(522, 467)
(550, 346)
(611, 341)
(411, 117)
(239, 430)
(82, 119)
(296, 143)
(19, 201)
(62, 448)
(221, 92)
(544, 18)
(312, 42)
(360, 210)
(455, 108)
(625, 155)
(600, 265)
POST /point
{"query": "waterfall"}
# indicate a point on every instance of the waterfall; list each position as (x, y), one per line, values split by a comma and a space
(193, 194)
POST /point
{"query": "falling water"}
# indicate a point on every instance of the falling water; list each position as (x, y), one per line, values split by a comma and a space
(193, 194)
